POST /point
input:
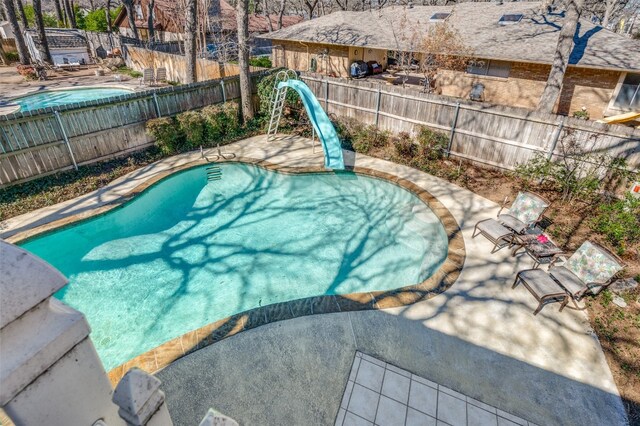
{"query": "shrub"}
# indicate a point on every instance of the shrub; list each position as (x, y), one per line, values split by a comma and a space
(128, 71)
(261, 61)
(12, 57)
(221, 121)
(432, 144)
(192, 125)
(27, 71)
(577, 173)
(619, 222)
(167, 134)
(404, 145)
(582, 114)
(265, 91)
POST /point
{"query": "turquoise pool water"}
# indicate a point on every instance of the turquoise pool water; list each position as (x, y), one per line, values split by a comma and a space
(186, 253)
(55, 98)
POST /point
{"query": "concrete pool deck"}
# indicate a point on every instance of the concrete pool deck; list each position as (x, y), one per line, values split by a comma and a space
(13, 85)
(479, 337)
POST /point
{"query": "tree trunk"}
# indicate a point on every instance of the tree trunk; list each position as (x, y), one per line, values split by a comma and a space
(131, 16)
(107, 11)
(42, 36)
(265, 13)
(68, 10)
(243, 59)
(3, 56)
(283, 5)
(10, 12)
(552, 90)
(150, 21)
(21, 14)
(608, 11)
(59, 14)
(190, 41)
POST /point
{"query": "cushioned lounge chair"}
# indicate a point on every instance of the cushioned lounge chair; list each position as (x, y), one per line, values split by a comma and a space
(525, 212)
(589, 270)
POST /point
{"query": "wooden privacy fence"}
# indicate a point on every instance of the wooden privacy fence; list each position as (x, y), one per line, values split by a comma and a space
(45, 141)
(176, 65)
(498, 136)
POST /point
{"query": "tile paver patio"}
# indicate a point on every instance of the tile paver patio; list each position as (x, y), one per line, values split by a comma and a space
(429, 404)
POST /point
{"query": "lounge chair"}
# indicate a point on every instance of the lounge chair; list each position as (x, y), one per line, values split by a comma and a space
(589, 270)
(525, 212)
(161, 75)
(148, 77)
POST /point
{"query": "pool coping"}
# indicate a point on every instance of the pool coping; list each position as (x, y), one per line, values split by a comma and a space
(58, 89)
(164, 354)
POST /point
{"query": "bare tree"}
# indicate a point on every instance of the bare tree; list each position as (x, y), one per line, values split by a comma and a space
(242, 18)
(605, 10)
(21, 14)
(10, 12)
(3, 56)
(553, 88)
(43, 44)
(131, 16)
(442, 49)
(311, 5)
(59, 13)
(191, 12)
(151, 33)
(283, 6)
(107, 11)
(68, 11)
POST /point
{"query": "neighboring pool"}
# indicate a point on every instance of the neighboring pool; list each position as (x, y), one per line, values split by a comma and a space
(53, 98)
(186, 253)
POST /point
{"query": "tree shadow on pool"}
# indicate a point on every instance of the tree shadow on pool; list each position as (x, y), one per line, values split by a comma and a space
(355, 249)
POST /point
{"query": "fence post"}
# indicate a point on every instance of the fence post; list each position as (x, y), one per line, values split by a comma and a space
(155, 102)
(453, 128)
(378, 106)
(224, 93)
(326, 96)
(66, 140)
(556, 138)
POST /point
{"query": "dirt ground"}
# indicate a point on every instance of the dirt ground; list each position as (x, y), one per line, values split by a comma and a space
(618, 329)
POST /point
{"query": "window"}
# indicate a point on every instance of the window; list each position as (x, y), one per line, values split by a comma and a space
(629, 95)
(490, 68)
(439, 17)
(510, 19)
(139, 12)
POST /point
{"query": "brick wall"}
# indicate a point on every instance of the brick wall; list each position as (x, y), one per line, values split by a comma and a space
(523, 87)
(587, 87)
(330, 60)
(525, 84)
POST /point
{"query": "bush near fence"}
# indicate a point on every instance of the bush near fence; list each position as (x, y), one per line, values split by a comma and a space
(139, 58)
(493, 135)
(45, 141)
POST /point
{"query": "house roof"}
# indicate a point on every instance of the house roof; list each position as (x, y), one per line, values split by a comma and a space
(61, 38)
(168, 16)
(533, 39)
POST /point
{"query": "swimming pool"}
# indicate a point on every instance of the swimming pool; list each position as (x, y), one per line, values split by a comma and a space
(53, 98)
(186, 253)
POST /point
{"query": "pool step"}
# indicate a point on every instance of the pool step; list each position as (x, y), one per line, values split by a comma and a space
(214, 173)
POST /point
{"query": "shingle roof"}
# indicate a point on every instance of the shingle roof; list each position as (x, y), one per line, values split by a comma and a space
(533, 39)
(58, 38)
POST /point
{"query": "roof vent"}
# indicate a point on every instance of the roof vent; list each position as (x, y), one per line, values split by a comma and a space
(510, 19)
(439, 17)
